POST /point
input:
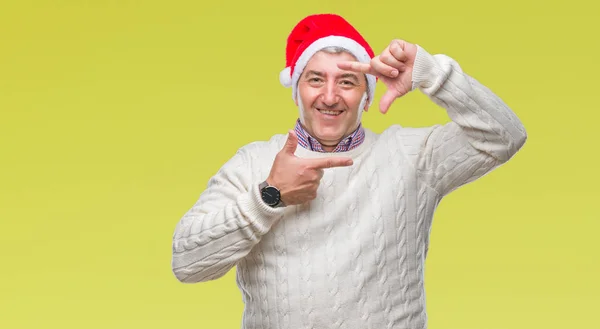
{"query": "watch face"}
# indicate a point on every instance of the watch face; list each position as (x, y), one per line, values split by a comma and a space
(270, 195)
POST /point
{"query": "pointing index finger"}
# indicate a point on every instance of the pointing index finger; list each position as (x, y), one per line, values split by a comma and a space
(357, 67)
(330, 163)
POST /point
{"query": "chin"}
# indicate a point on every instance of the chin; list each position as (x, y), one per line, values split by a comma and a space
(330, 133)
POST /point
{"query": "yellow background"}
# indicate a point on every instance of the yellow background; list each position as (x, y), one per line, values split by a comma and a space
(114, 115)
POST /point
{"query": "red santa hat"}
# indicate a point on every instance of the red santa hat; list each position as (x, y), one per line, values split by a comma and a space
(315, 32)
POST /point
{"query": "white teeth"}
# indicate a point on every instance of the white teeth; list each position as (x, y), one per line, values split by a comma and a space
(330, 112)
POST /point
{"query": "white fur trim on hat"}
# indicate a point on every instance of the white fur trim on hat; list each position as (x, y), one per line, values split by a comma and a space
(285, 77)
(332, 41)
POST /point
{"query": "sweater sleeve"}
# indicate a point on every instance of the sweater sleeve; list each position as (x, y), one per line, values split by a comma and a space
(483, 132)
(227, 220)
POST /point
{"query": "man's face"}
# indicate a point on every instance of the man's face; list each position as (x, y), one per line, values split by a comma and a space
(329, 98)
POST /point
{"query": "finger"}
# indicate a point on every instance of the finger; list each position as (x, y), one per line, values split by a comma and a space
(310, 196)
(357, 67)
(320, 173)
(291, 143)
(330, 163)
(388, 58)
(386, 100)
(397, 50)
(383, 69)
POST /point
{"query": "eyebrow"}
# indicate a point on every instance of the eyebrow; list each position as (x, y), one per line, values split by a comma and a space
(350, 76)
(317, 73)
(343, 76)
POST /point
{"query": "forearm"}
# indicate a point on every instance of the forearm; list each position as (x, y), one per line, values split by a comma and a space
(208, 245)
(224, 224)
(488, 124)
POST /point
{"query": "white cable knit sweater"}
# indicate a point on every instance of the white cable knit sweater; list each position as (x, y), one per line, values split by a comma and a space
(354, 257)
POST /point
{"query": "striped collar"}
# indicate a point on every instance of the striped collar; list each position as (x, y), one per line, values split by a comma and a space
(347, 144)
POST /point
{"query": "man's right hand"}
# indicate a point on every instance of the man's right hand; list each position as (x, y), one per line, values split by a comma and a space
(296, 178)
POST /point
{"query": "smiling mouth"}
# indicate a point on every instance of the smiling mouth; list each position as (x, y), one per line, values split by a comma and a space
(330, 112)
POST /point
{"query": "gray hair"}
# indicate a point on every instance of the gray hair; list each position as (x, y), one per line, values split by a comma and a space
(336, 50)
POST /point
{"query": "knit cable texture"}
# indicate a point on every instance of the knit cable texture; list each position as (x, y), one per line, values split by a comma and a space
(354, 257)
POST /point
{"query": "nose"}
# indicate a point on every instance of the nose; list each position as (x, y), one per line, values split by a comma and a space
(330, 94)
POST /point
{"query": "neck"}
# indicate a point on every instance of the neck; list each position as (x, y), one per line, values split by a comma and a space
(329, 148)
(329, 145)
(354, 152)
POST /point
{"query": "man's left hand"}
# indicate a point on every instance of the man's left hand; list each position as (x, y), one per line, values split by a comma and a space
(394, 67)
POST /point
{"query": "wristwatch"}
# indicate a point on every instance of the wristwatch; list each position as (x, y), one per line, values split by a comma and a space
(270, 195)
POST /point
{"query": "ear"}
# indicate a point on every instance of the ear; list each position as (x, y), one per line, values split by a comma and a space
(367, 102)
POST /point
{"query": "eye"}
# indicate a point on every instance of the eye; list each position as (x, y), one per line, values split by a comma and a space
(347, 83)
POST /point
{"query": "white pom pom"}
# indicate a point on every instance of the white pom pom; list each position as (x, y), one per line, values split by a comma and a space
(285, 77)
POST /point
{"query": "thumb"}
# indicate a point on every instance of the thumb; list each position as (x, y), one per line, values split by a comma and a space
(291, 143)
(386, 100)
